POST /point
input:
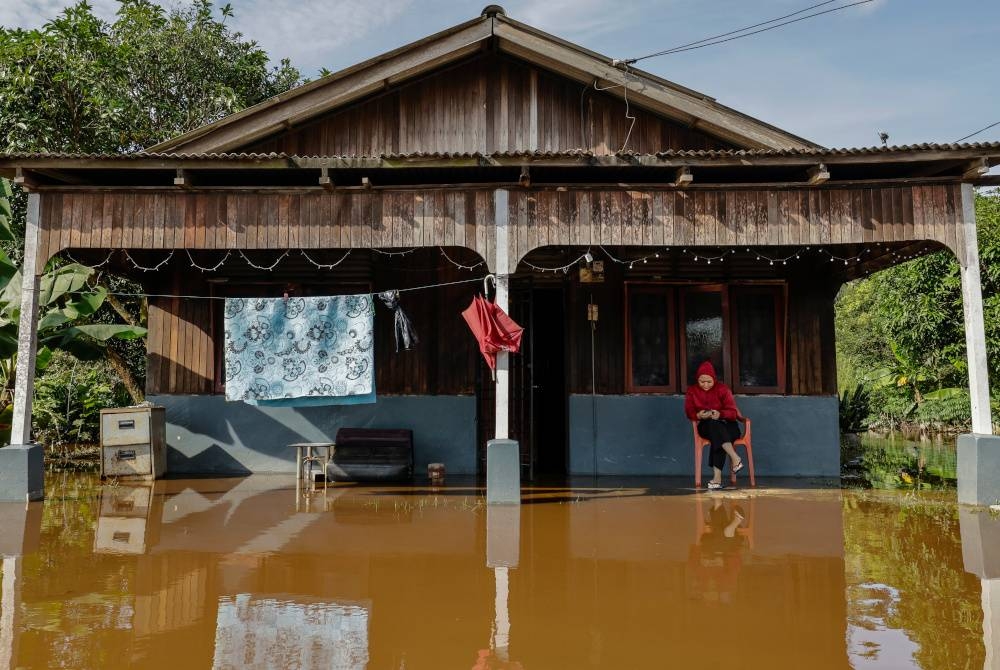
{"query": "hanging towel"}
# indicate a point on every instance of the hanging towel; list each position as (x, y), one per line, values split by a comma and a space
(405, 335)
(300, 351)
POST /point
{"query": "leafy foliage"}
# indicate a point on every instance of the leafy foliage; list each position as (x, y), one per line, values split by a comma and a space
(80, 84)
(68, 401)
(900, 333)
(84, 85)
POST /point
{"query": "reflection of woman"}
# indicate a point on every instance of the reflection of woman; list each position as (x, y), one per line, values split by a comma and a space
(715, 560)
(711, 404)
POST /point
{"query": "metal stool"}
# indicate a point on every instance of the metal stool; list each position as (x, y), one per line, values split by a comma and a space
(309, 453)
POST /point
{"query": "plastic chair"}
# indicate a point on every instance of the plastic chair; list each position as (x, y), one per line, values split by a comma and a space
(746, 442)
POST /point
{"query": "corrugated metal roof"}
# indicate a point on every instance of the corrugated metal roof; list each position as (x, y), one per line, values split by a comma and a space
(988, 148)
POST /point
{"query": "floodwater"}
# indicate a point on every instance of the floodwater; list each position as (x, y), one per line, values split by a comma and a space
(239, 573)
(899, 461)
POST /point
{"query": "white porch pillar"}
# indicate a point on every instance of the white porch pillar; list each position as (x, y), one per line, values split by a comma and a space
(21, 469)
(502, 270)
(978, 453)
(27, 333)
(503, 460)
(972, 305)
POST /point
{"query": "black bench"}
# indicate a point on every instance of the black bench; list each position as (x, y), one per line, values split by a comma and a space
(372, 454)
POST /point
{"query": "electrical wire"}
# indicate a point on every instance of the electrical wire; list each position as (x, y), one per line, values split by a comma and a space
(707, 42)
(981, 130)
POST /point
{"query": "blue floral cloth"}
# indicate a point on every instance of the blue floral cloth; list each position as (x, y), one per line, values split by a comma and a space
(300, 351)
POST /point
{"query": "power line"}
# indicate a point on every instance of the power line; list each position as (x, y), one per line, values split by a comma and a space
(733, 32)
(981, 130)
(708, 41)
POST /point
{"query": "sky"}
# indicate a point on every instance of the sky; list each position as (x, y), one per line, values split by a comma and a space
(921, 70)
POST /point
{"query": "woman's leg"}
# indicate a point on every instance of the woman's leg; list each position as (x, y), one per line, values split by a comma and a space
(732, 431)
(715, 432)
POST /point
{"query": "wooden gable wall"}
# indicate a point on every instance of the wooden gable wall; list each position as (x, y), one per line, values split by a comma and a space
(488, 104)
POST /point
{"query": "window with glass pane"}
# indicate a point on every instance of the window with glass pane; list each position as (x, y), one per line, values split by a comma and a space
(757, 345)
(703, 332)
(649, 322)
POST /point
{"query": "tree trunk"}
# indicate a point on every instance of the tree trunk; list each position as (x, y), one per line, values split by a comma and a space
(121, 367)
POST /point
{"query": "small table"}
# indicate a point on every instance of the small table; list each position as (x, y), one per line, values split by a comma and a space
(309, 452)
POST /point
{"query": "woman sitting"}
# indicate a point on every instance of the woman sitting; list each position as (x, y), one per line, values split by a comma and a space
(711, 404)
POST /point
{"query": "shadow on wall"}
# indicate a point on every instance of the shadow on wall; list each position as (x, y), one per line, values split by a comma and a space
(209, 435)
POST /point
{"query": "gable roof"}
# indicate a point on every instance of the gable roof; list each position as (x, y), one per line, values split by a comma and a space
(310, 100)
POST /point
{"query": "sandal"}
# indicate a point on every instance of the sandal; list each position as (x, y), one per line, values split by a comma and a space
(738, 467)
(714, 486)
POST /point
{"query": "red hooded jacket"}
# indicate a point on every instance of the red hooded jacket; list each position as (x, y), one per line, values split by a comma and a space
(718, 397)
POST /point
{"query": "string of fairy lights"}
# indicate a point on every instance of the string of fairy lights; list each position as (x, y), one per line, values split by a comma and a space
(706, 255)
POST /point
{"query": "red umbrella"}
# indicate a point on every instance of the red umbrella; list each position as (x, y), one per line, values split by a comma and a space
(495, 330)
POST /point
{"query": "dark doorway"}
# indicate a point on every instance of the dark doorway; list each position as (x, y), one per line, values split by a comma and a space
(547, 361)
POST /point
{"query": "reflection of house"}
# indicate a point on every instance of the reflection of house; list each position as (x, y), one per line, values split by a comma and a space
(598, 582)
(488, 144)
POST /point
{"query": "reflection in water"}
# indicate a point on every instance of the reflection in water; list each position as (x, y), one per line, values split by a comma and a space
(229, 574)
(260, 633)
(910, 601)
(895, 461)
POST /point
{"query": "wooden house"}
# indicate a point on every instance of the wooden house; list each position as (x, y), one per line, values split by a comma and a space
(636, 228)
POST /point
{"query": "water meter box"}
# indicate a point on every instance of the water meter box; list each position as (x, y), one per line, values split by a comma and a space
(133, 442)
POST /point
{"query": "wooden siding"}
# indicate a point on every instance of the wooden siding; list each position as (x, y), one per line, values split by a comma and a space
(810, 359)
(490, 104)
(185, 335)
(464, 218)
(677, 217)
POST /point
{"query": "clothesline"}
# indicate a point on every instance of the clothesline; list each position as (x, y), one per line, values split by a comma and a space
(123, 294)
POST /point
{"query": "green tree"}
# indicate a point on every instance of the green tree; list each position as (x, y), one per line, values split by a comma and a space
(83, 85)
(900, 332)
(80, 84)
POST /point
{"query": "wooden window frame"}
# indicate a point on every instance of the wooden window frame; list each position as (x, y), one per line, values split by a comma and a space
(779, 292)
(723, 290)
(668, 292)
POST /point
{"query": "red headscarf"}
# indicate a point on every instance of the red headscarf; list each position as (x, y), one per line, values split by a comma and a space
(719, 397)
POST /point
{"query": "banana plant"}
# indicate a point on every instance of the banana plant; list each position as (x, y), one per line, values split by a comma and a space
(66, 300)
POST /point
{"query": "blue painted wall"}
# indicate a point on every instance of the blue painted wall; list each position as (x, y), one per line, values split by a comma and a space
(208, 435)
(649, 435)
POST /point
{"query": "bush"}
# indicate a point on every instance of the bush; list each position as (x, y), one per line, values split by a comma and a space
(69, 397)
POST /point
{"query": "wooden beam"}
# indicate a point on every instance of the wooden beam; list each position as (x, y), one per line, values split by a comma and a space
(818, 174)
(683, 177)
(977, 168)
(525, 177)
(366, 182)
(324, 178)
(181, 179)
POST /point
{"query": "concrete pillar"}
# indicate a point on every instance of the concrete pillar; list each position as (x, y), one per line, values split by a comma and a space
(27, 333)
(503, 302)
(503, 460)
(978, 453)
(972, 304)
(21, 470)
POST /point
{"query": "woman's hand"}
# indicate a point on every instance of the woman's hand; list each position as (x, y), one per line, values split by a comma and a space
(705, 414)
(714, 414)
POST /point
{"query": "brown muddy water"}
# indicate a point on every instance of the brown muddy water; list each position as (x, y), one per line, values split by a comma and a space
(238, 573)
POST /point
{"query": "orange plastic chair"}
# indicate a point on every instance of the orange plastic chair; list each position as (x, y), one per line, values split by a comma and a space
(746, 442)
